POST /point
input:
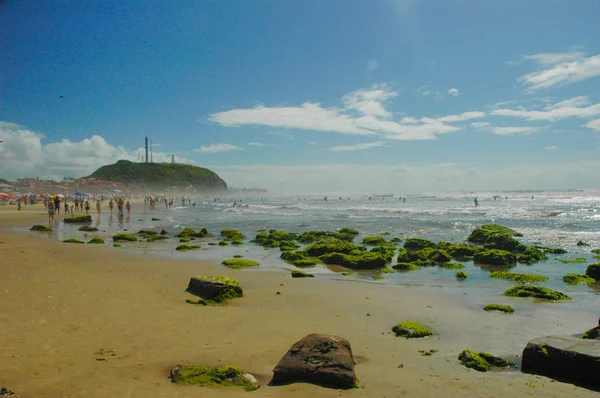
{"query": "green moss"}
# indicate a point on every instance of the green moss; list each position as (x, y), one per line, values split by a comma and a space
(496, 361)
(544, 350)
(186, 233)
(41, 228)
(576, 279)
(373, 240)
(472, 360)
(72, 240)
(500, 258)
(238, 256)
(536, 292)
(346, 273)
(155, 219)
(480, 235)
(330, 245)
(96, 240)
(387, 271)
(237, 242)
(418, 244)
(519, 278)
(595, 251)
(184, 248)
(593, 271)
(578, 260)
(212, 243)
(124, 237)
(365, 260)
(292, 256)
(459, 251)
(452, 266)
(238, 263)
(163, 232)
(233, 234)
(424, 257)
(406, 267)
(207, 376)
(461, 275)
(582, 243)
(78, 219)
(590, 334)
(349, 231)
(153, 238)
(551, 250)
(87, 228)
(184, 240)
(117, 245)
(411, 329)
(300, 274)
(147, 232)
(306, 262)
(499, 307)
(531, 255)
(395, 240)
(223, 243)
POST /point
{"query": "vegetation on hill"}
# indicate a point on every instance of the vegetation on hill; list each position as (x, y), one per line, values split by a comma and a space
(161, 175)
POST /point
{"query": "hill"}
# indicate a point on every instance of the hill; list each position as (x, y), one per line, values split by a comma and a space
(161, 175)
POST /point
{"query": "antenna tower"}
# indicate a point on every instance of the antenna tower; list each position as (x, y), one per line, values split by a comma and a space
(146, 149)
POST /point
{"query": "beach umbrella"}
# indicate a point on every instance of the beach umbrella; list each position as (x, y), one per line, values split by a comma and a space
(4, 195)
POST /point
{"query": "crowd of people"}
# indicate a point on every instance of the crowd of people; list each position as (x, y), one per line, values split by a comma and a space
(82, 204)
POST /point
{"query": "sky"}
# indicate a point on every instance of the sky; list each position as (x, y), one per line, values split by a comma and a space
(310, 96)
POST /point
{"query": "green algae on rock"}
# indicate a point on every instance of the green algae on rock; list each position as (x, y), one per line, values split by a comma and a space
(153, 238)
(593, 271)
(582, 243)
(87, 228)
(223, 243)
(499, 258)
(499, 307)
(213, 289)
(117, 245)
(163, 232)
(452, 266)
(209, 376)
(184, 248)
(482, 234)
(531, 255)
(124, 237)
(97, 241)
(577, 279)
(186, 233)
(86, 218)
(578, 260)
(411, 329)
(41, 228)
(366, 260)
(536, 292)
(232, 234)
(306, 262)
(519, 278)
(72, 240)
(496, 361)
(406, 267)
(330, 245)
(300, 274)
(292, 256)
(460, 275)
(551, 250)
(472, 360)
(418, 244)
(238, 263)
(373, 240)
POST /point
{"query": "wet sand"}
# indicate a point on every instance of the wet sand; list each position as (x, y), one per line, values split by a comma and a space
(82, 321)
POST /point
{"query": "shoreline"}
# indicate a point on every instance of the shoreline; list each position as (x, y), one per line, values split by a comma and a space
(62, 303)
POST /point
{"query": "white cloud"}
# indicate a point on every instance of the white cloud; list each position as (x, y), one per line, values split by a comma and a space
(356, 147)
(364, 113)
(574, 107)
(24, 154)
(594, 124)
(551, 147)
(423, 91)
(215, 148)
(256, 144)
(515, 130)
(480, 125)
(453, 92)
(561, 69)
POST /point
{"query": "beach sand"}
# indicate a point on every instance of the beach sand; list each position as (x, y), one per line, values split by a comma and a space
(82, 321)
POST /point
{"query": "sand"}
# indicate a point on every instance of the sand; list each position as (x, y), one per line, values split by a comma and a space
(83, 321)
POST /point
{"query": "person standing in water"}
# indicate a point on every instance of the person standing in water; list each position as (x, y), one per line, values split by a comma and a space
(50, 210)
(476, 202)
(128, 207)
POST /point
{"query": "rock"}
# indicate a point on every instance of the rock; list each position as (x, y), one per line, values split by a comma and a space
(300, 274)
(499, 307)
(86, 218)
(418, 244)
(473, 360)
(564, 358)
(373, 240)
(593, 271)
(411, 330)
(461, 275)
(213, 376)
(537, 292)
(41, 228)
(251, 380)
(576, 279)
(499, 258)
(519, 278)
(319, 359)
(87, 228)
(124, 237)
(97, 241)
(593, 333)
(239, 263)
(6, 393)
(215, 288)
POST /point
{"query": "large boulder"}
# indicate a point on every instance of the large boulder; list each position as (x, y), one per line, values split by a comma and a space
(319, 359)
(215, 288)
(593, 333)
(566, 358)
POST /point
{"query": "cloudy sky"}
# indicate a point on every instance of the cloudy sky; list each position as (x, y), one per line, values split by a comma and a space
(308, 96)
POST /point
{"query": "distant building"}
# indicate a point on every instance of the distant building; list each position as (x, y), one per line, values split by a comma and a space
(68, 179)
(6, 188)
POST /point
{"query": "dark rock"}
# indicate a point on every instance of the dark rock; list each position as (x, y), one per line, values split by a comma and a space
(593, 333)
(88, 228)
(6, 393)
(565, 358)
(319, 359)
(216, 288)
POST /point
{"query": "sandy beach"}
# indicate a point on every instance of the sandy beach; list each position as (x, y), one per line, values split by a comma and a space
(82, 321)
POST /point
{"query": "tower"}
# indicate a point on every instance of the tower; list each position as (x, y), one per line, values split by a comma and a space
(172, 159)
(146, 149)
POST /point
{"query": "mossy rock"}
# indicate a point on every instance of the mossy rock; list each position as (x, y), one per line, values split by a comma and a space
(147, 232)
(87, 228)
(373, 240)
(452, 266)
(300, 274)
(330, 245)
(481, 235)
(153, 238)
(576, 279)
(97, 241)
(78, 219)
(418, 244)
(163, 232)
(554, 250)
(531, 255)
(424, 257)
(365, 260)
(238, 263)
(499, 307)
(395, 240)
(124, 237)
(406, 267)
(306, 262)
(582, 243)
(459, 251)
(155, 219)
(293, 255)
(214, 289)
(212, 243)
(233, 234)
(519, 278)
(41, 228)
(496, 361)
(117, 245)
(593, 271)
(223, 243)
(184, 248)
(212, 377)
(537, 292)
(237, 242)
(499, 258)
(578, 260)
(595, 251)
(460, 275)
(186, 233)
(184, 240)
(472, 360)
(72, 240)
(411, 330)
(349, 231)
(387, 271)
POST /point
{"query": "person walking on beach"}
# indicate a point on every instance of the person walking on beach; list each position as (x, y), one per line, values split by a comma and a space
(67, 208)
(111, 205)
(98, 209)
(128, 207)
(50, 210)
(87, 207)
(57, 204)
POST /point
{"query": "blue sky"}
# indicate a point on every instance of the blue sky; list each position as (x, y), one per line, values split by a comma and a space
(308, 95)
